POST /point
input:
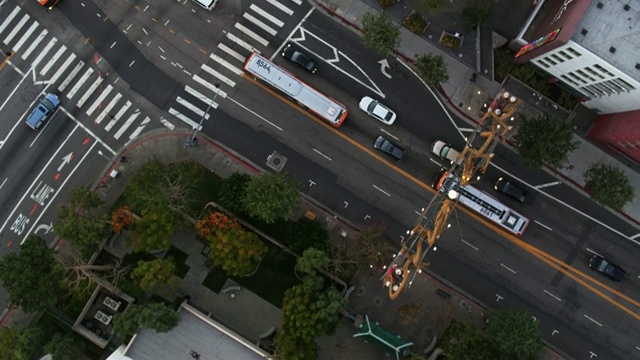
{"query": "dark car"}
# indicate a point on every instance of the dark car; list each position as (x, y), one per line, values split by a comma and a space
(43, 111)
(603, 266)
(508, 188)
(290, 52)
(390, 148)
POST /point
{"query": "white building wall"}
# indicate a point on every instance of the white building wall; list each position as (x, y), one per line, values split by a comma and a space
(610, 90)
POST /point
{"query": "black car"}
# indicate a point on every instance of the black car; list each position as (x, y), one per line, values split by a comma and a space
(390, 148)
(603, 266)
(290, 52)
(508, 188)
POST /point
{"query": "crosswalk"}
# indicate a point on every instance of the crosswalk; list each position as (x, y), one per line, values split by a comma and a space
(79, 84)
(253, 32)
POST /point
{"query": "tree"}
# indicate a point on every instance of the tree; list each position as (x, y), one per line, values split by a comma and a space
(153, 229)
(432, 69)
(372, 250)
(154, 316)
(608, 185)
(81, 277)
(121, 219)
(153, 275)
(475, 13)
(236, 251)
(233, 192)
(9, 337)
(380, 33)
(271, 196)
(429, 7)
(515, 334)
(81, 220)
(31, 342)
(214, 222)
(464, 341)
(544, 139)
(64, 347)
(311, 260)
(32, 277)
(304, 234)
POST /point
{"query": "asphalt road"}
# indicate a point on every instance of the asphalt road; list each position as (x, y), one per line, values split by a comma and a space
(338, 168)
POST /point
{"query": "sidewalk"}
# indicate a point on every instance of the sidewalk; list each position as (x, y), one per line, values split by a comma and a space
(466, 98)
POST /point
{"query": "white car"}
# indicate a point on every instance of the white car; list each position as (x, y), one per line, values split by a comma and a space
(377, 110)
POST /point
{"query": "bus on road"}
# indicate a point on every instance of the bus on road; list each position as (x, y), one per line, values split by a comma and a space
(320, 104)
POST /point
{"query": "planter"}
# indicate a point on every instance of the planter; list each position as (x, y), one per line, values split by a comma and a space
(386, 3)
(451, 41)
(415, 23)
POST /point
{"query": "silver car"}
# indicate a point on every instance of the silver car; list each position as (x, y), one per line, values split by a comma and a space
(376, 110)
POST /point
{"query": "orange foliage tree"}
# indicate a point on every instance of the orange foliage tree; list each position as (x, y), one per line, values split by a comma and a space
(215, 222)
(121, 218)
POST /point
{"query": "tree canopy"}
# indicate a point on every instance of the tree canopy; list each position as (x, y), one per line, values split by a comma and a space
(154, 316)
(236, 251)
(153, 275)
(233, 192)
(271, 196)
(432, 69)
(81, 220)
(544, 140)
(475, 12)
(608, 185)
(515, 334)
(372, 249)
(65, 347)
(9, 337)
(380, 33)
(152, 231)
(465, 341)
(32, 277)
(430, 8)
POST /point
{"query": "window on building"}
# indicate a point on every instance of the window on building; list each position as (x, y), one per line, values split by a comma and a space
(548, 59)
(544, 64)
(614, 85)
(558, 58)
(573, 52)
(625, 84)
(589, 92)
(623, 145)
(566, 78)
(565, 55)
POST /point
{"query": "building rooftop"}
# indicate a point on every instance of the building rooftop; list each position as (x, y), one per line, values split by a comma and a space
(612, 33)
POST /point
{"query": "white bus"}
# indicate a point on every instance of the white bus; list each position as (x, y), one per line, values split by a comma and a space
(320, 104)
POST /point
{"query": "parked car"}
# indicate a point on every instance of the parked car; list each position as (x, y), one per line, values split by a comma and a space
(445, 151)
(603, 266)
(390, 148)
(43, 111)
(290, 52)
(508, 188)
(376, 110)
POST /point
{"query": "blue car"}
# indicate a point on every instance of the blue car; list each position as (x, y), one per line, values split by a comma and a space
(43, 111)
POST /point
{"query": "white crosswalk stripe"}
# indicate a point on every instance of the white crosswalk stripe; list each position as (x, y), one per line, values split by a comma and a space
(192, 107)
(298, 2)
(192, 124)
(266, 15)
(53, 60)
(216, 74)
(232, 52)
(226, 64)
(99, 100)
(209, 86)
(119, 115)
(90, 91)
(16, 29)
(167, 124)
(142, 125)
(25, 37)
(44, 52)
(201, 97)
(63, 68)
(79, 83)
(34, 44)
(251, 34)
(71, 75)
(280, 7)
(107, 109)
(260, 24)
(242, 43)
(9, 18)
(126, 125)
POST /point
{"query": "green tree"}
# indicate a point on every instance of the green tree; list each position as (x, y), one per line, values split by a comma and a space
(311, 260)
(271, 196)
(304, 234)
(464, 341)
(153, 275)
(233, 192)
(329, 306)
(236, 251)
(429, 8)
(475, 13)
(515, 334)
(9, 337)
(432, 69)
(153, 230)
(380, 33)
(64, 347)
(32, 277)
(608, 185)
(154, 316)
(31, 342)
(81, 220)
(544, 140)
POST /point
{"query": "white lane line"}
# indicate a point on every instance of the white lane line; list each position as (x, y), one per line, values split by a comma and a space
(468, 244)
(89, 91)
(71, 75)
(63, 68)
(593, 252)
(635, 236)
(5, 180)
(107, 109)
(242, 43)
(9, 18)
(323, 155)
(142, 125)
(299, 2)
(226, 64)
(200, 97)
(280, 7)
(255, 113)
(192, 124)
(232, 52)
(16, 29)
(126, 125)
(53, 60)
(34, 44)
(119, 115)
(508, 268)
(25, 37)
(542, 186)
(266, 15)
(216, 74)
(585, 315)
(543, 225)
(390, 134)
(260, 24)
(44, 52)
(251, 34)
(99, 100)
(79, 83)
(553, 296)
(167, 124)
(382, 191)
(209, 86)
(192, 107)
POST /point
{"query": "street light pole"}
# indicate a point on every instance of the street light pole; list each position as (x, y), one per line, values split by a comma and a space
(191, 140)
(103, 155)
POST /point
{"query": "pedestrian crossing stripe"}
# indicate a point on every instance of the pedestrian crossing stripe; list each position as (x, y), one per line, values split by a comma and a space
(107, 109)
(99, 100)
(119, 115)
(16, 29)
(266, 15)
(53, 60)
(221, 77)
(299, 2)
(208, 85)
(89, 91)
(194, 108)
(251, 34)
(242, 43)
(260, 24)
(226, 64)
(232, 52)
(280, 7)
(44, 52)
(167, 124)
(63, 68)
(9, 18)
(200, 97)
(34, 44)
(142, 125)
(192, 124)
(25, 37)
(126, 125)
(79, 83)
(71, 75)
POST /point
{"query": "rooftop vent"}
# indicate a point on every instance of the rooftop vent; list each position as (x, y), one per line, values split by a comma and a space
(584, 31)
(612, 50)
(600, 5)
(626, 7)
(638, 66)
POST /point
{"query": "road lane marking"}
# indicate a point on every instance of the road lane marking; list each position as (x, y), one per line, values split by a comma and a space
(107, 109)
(508, 268)
(285, 9)
(44, 52)
(266, 15)
(323, 155)
(260, 24)
(138, 130)
(543, 225)
(382, 191)
(242, 43)
(9, 18)
(63, 68)
(585, 315)
(468, 244)
(89, 91)
(119, 115)
(53, 60)
(232, 52)
(71, 75)
(251, 34)
(127, 123)
(16, 29)
(553, 296)
(216, 74)
(226, 64)
(25, 37)
(99, 100)
(192, 124)
(193, 108)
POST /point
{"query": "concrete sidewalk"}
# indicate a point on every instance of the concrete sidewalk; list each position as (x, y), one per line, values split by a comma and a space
(466, 98)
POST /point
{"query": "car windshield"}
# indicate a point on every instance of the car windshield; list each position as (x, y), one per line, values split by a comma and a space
(604, 266)
(46, 106)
